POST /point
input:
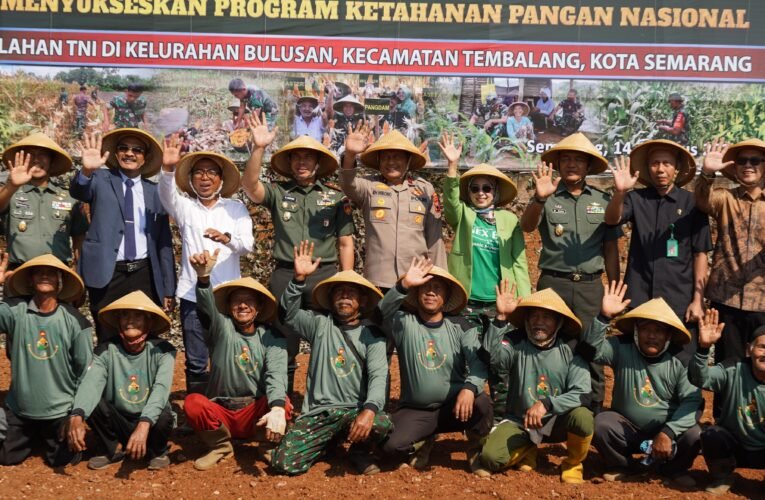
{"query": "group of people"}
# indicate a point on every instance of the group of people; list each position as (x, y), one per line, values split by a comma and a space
(458, 322)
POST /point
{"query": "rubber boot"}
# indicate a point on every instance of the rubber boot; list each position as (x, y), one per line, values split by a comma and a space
(362, 459)
(219, 444)
(421, 456)
(475, 444)
(571, 469)
(528, 461)
(721, 471)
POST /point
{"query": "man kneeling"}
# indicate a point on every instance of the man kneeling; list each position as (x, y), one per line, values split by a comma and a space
(345, 390)
(125, 393)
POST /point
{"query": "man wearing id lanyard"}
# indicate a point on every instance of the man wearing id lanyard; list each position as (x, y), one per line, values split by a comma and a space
(670, 236)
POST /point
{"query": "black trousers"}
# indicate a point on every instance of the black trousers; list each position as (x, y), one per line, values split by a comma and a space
(411, 425)
(617, 438)
(113, 428)
(718, 443)
(121, 284)
(24, 433)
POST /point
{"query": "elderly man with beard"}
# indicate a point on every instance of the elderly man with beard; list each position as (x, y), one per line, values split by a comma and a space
(442, 378)
(125, 393)
(248, 366)
(302, 208)
(652, 397)
(737, 439)
(128, 246)
(309, 121)
(208, 219)
(345, 391)
(549, 385)
(49, 345)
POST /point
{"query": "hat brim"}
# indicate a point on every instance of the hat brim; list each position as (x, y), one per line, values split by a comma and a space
(310, 99)
(322, 292)
(229, 172)
(357, 107)
(393, 141)
(571, 325)
(61, 163)
(733, 151)
(457, 293)
(577, 143)
(267, 306)
(686, 171)
(328, 164)
(152, 158)
(20, 282)
(626, 325)
(110, 315)
(507, 191)
(521, 104)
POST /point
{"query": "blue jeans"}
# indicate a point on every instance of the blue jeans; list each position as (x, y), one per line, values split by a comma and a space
(193, 340)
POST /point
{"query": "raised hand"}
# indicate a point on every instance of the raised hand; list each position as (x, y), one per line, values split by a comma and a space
(710, 330)
(19, 169)
(357, 138)
(417, 274)
(203, 263)
(624, 180)
(171, 153)
(4, 273)
(613, 302)
(507, 300)
(449, 147)
(544, 182)
(90, 152)
(261, 136)
(713, 155)
(304, 263)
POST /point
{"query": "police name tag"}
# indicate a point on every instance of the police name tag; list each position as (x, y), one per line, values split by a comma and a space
(672, 248)
(61, 205)
(592, 209)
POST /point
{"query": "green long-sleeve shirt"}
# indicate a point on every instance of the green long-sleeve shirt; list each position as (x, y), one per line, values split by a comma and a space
(335, 379)
(743, 397)
(653, 394)
(554, 376)
(435, 361)
(135, 384)
(241, 364)
(49, 354)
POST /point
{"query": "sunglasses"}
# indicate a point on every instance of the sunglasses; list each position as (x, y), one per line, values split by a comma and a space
(138, 150)
(486, 188)
(752, 160)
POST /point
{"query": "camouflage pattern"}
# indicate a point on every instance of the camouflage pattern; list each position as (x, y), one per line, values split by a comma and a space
(309, 437)
(128, 114)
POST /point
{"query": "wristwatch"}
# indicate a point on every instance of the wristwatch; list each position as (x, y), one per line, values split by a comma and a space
(227, 235)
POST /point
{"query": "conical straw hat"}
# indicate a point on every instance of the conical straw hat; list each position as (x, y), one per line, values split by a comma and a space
(357, 106)
(20, 282)
(280, 161)
(266, 307)
(310, 99)
(578, 143)
(61, 163)
(505, 185)
(733, 151)
(231, 176)
(135, 301)
(234, 105)
(322, 292)
(153, 156)
(686, 170)
(547, 299)
(657, 310)
(457, 296)
(393, 140)
(521, 104)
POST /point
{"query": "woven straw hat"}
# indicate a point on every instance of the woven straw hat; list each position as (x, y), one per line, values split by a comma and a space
(310, 99)
(393, 140)
(153, 156)
(266, 307)
(732, 153)
(457, 296)
(322, 292)
(20, 282)
(338, 105)
(135, 301)
(547, 299)
(505, 186)
(228, 170)
(686, 170)
(581, 144)
(280, 161)
(61, 163)
(657, 310)
(521, 104)
(234, 105)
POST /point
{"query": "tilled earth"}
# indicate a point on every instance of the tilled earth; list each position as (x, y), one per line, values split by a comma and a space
(247, 475)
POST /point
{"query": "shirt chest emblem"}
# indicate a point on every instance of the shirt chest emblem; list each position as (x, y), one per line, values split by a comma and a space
(750, 414)
(431, 359)
(341, 365)
(134, 390)
(543, 389)
(43, 349)
(245, 362)
(646, 395)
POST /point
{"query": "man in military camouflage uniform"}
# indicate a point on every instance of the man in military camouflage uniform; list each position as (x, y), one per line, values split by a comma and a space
(491, 115)
(679, 126)
(129, 109)
(252, 99)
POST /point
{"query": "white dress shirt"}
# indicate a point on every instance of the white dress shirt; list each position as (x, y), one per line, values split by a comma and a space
(139, 216)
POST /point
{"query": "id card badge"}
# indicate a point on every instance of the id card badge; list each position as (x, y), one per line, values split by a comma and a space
(672, 247)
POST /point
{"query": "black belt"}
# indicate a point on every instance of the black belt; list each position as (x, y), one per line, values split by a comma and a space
(129, 266)
(291, 265)
(234, 404)
(574, 276)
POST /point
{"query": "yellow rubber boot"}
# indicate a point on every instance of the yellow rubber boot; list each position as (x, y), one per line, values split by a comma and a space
(571, 469)
(528, 461)
(219, 447)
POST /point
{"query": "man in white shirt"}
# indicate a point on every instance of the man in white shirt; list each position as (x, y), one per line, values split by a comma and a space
(208, 220)
(309, 119)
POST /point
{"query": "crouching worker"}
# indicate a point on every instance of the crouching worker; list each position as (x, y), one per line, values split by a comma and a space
(652, 397)
(738, 437)
(49, 344)
(549, 386)
(125, 395)
(442, 379)
(345, 390)
(248, 366)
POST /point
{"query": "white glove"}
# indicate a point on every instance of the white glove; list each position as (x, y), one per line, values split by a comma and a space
(275, 420)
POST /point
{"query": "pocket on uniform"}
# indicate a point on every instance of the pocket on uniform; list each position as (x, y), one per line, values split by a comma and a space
(380, 215)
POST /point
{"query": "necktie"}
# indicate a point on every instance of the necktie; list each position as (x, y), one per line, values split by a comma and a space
(129, 222)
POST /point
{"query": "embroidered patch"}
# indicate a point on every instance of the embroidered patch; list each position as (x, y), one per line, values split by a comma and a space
(646, 397)
(131, 391)
(42, 350)
(431, 359)
(245, 362)
(340, 364)
(591, 209)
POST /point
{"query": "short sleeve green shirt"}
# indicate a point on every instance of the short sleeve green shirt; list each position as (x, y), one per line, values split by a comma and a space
(316, 213)
(573, 230)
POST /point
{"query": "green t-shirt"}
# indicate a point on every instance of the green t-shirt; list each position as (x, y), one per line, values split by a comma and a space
(135, 384)
(485, 261)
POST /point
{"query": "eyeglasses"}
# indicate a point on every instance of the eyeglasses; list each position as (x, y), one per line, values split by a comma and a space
(752, 160)
(486, 188)
(138, 150)
(209, 173)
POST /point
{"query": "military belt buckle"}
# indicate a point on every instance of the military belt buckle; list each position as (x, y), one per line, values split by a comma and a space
(131, 266)
(576, 277)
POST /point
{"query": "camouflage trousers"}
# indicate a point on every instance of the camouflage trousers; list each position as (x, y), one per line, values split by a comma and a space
(310, 435)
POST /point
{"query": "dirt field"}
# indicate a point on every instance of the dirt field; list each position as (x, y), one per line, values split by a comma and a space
(246, 476)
